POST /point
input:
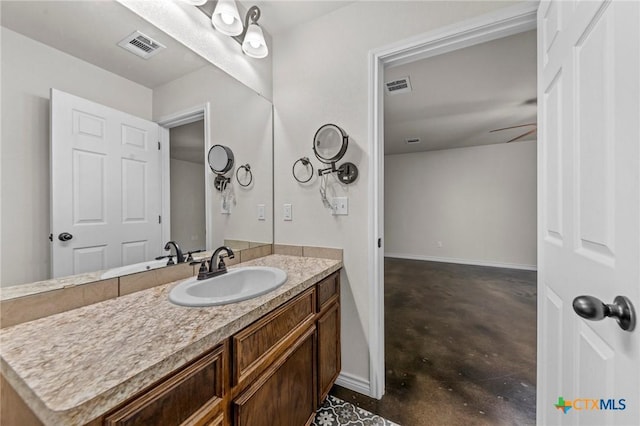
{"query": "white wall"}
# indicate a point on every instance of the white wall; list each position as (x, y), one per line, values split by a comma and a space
(479, 202)
(241, 120)
(321, 76)
(187, 204)
(193, 28)
(29, 70)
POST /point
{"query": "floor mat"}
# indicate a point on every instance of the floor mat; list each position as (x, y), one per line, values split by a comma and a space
(336, 412)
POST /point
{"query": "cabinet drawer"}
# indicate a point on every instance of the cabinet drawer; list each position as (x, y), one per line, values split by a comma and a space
(205, 419)
(328, 290)
(196, 388)
(263, 340)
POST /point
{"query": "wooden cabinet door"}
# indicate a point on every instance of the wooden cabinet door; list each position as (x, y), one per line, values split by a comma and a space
(285, 394)
(191, 394)
(328, 350)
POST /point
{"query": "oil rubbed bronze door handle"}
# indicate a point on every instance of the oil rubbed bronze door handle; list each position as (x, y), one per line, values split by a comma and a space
(65, 236)
(594, 309)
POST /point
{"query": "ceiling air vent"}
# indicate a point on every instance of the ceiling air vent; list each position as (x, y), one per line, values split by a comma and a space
(400, 85)
(141, 45)
(412, 141)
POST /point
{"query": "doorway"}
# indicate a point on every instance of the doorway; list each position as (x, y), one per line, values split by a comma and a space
(191, 130)
(187, 177)
(460, 226)
(493, 26)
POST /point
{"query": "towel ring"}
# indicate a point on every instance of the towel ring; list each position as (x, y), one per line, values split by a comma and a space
(305, 162)
(247, 169)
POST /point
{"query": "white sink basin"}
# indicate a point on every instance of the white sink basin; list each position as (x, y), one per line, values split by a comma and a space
(236, 285)
(132, 269)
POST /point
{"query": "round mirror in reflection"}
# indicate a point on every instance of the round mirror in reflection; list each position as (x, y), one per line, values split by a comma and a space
(330, 143)
(220, 159)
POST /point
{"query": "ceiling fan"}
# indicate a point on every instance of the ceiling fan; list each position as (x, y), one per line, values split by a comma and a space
(527, 133)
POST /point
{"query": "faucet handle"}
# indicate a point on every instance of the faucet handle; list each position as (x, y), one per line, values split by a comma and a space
(221, 264)
(191, 253)
(170, 257)
(203, 270)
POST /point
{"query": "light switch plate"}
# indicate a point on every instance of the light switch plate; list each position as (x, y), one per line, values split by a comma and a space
(287, 212)
(261, 215)
(340, 206)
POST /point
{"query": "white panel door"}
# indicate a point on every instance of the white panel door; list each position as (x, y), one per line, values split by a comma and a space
(589, 209)
(105, 186)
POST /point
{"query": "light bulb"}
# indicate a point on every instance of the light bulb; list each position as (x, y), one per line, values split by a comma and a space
(254, 44)
(226, 18)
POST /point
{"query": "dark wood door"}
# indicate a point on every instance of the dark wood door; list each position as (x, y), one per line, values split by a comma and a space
(285, 394)
(328, 349)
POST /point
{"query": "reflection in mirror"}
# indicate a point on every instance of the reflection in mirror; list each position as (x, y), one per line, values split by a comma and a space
(73, 47)
(187, 178)
(220, 159)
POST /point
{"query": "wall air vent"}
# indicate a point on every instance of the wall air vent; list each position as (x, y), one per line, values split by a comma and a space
(141, 45)
(411, 141)
(400, 85)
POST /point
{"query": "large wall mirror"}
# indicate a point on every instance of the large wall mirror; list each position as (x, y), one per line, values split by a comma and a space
(157, 185)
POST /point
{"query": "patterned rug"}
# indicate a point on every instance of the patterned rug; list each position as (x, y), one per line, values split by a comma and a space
(336, 412)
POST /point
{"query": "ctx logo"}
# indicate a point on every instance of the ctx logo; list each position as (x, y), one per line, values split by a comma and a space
(580, 404)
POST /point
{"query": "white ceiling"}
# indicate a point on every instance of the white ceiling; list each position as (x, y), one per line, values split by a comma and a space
(458, 97)
(91, 30)
(277, 16)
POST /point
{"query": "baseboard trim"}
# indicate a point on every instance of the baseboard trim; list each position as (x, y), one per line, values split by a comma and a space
(463, 261)
(354, 383)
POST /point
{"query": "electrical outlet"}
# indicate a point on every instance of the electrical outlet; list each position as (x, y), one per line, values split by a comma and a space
(287, 212)
(261, 215)
(340, 206)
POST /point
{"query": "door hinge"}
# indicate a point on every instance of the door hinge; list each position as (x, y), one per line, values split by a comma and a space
(158, 145)
(159, 219)
(379, 242)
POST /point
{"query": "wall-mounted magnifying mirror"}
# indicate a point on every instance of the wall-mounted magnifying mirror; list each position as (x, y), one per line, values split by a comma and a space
(220, 159)
(329, 145)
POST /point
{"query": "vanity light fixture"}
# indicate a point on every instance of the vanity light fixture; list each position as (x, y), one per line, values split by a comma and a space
(226, 19)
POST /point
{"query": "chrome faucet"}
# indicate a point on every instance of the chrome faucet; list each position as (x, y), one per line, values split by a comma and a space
(179, 255)
(212, 270)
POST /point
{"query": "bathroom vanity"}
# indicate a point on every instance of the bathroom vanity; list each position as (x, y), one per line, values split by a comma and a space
(139, 359)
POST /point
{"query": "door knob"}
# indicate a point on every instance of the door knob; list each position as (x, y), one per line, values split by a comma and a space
(65, 236)
(594, 309)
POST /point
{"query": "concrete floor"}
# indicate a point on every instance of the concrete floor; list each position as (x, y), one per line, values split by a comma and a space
(460, 344)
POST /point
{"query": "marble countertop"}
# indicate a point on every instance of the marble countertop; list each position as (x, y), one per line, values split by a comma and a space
(75, 366)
